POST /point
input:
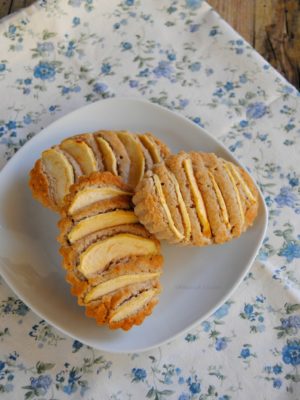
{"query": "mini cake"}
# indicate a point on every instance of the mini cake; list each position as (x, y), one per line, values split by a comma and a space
(122, 153)
(196, 199)
(113, 263)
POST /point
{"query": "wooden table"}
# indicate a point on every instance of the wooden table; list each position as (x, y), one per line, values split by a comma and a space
(271, 26)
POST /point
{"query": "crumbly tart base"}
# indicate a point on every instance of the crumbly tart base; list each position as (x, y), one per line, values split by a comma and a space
(123, 291)
(122, 153)
(196, 199)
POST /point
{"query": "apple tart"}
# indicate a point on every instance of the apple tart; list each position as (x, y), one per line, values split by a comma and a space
(196, 199)
(122, 153)
(113, 263)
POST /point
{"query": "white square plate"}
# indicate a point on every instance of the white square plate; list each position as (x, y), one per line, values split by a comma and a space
(196, 280)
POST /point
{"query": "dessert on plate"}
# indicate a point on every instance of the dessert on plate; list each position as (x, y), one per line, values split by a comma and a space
(196, 199)
(122, 153)
(113, 263)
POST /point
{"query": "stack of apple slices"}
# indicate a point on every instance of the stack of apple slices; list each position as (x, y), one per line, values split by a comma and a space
(112, 262)
(122, 153)
(196, 199)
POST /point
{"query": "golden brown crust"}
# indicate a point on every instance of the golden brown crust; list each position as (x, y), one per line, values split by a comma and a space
(86, 288)
(95, 179)
(221, 194)
(40, 187)
(44, 189)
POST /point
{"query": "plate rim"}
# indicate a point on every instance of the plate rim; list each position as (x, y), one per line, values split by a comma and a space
(202, 131)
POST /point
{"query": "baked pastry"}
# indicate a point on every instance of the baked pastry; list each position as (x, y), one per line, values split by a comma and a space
(113, 263)
(196, 199)
(122, 153)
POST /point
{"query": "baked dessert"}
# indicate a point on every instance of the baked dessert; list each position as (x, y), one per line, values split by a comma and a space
(122, 153)
(113, 263)
(196, 199)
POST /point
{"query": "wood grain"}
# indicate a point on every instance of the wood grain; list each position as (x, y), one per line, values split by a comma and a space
(10, 6)
(271, 26)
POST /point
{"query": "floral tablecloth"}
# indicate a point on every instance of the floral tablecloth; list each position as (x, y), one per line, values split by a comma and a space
(59, 55)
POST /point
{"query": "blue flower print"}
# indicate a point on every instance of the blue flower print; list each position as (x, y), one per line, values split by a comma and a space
(144, 73)
(129, 2)
(286, 197)
(45, 47)
(42, 383)
(291, 353)
(225, 397)
(183, 103)
(194, 385)
(229, 86)
(290, 250)
(100, 88)
(133, 83)
(105, 68)
(2, 365)
(138, 374)
(256, 110)
(70, 49)
(2, 67)
(11, 125)
(293, 321)
(194, 28)
(245, 353)
(44, 71)
(198, 121)
(76, 21)
(196, 66)
(12, 29)
(293, 181)
(126, 45)
(243, 123)
(27, 81)
(248, 309)
(164, 69)
(214, 31)
(277, 383)
(277, 369)
(27, 119)
(76, 346)
(221, 344)
(206, 326)
(222, 311)
(171, 56)
(193, 3)
(184, 396)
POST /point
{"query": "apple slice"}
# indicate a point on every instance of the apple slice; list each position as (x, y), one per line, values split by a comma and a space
(133, 305)
(236, 190)
(90, 196)
(151, 146)
(135, 153)
(60, 173)
(111, 285)
(182, 207)
(164, 204)
(238, 178)
(196, 194)
(82, 153)
(109, 158)
(97, 256)
(101, 221)
(221, 200)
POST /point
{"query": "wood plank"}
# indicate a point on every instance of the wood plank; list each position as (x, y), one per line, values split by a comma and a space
(239, 14)
(271, 26)
(277, 35)
(5, 7)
